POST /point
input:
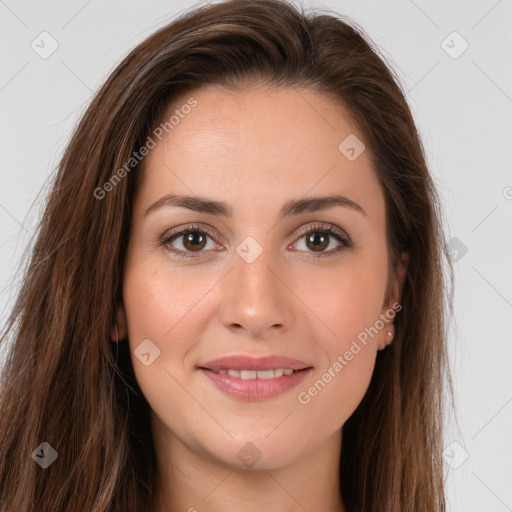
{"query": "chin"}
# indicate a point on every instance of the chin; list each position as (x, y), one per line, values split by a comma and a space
(254, 451)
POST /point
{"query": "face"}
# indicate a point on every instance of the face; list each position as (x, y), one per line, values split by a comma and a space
(256, 276)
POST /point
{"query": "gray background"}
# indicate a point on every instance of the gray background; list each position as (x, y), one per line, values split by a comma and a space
(463, 108)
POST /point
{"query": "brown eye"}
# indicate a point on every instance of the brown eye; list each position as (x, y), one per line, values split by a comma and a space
(317, 241)
(194, 241)
(189, 240)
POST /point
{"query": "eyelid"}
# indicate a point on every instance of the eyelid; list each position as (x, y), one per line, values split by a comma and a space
(322, 227)
(331, 229)
(182, 230)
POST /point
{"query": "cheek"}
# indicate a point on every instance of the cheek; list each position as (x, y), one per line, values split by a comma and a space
(156, 305)
(350, 306)
(336, 393)
(336, 390)
(156, 300)
(349, 300)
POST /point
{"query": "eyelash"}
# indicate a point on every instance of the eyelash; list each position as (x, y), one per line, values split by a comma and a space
(345, 242)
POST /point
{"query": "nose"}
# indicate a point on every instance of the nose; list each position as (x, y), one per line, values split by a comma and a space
(256, 299)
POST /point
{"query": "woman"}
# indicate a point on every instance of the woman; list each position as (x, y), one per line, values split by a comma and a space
(235, 299)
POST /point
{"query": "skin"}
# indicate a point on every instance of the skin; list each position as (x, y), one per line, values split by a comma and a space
(255, 150)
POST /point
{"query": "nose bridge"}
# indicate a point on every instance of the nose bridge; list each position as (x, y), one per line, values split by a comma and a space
(253, 269)
(254, 297)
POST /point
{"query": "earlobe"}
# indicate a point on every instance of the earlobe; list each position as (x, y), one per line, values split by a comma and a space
(119, 330)
(389, 333)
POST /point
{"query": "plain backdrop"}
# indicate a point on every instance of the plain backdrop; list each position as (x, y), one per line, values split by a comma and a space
(453, 59)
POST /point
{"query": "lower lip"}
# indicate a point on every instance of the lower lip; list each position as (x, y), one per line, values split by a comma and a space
(255, 389)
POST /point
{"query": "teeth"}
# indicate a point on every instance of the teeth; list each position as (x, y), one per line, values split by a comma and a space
(248, 374)
(265, 374)
(257, 374)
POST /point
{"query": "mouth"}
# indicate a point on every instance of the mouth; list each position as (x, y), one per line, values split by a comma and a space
(243, 362)
(248, 378)
(255, 374)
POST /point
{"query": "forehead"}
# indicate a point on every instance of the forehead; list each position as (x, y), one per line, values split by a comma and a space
(262, 145)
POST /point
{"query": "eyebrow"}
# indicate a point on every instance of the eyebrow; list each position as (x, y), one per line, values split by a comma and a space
(222, 209)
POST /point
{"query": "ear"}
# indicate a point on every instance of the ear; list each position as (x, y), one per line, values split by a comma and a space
(122, 329)
(393, 299)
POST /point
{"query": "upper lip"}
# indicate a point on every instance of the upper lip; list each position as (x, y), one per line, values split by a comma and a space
(245, 362)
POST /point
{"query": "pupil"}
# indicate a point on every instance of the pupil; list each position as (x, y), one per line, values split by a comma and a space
(319, 240)
(192, 240)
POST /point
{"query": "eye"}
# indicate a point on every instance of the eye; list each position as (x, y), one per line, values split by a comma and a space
(319, 237)
(194, 239)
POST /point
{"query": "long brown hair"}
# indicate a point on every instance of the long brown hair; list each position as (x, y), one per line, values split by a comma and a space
(66, 384)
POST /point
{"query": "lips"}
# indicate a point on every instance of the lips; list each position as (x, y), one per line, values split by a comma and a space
(249, 378)
(256, 374)
(250, 363)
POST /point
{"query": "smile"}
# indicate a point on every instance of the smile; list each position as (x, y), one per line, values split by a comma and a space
(254, 385)
(256, 374)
